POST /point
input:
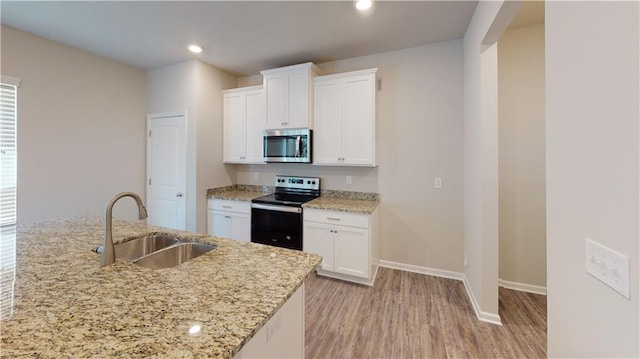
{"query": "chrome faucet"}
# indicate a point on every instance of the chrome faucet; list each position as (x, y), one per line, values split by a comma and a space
(108, 252)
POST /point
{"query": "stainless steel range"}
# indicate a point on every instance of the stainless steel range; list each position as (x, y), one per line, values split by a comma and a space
(276, 219)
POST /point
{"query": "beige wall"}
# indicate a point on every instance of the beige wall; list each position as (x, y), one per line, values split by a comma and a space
(522, 156)
(592, 127)
(419, 114)
(81, 125)
(211, 172)
(196, 88)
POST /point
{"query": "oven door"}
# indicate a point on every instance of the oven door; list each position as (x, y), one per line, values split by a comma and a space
(279, 226)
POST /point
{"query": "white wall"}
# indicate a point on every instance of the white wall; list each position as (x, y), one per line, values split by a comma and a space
(522, 213)
(481, 164)
(81, 126)
(196, 88)
(592, 114)
(419, 114)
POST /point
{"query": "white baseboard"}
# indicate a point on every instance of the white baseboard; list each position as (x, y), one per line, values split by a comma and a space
(482, 316)
(422, 270)
(529, 288)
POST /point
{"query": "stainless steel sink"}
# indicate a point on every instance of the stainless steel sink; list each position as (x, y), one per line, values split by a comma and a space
(144, 245)
(174, 255)
(158, 250)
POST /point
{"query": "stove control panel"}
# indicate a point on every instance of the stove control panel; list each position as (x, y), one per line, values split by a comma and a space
(297, 182)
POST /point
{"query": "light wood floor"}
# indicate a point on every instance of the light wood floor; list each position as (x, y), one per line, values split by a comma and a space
(409, 315)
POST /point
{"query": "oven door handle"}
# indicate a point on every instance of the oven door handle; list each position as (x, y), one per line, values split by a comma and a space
(276, 208)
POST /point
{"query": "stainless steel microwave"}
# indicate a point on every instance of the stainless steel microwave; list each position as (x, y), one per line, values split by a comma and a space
(287, 145)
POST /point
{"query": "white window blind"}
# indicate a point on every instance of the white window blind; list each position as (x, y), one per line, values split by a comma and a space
(8, 196)
(8, 154)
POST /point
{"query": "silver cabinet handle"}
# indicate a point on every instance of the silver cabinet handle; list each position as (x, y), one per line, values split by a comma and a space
(179, 194)
(333, 219)
(229, 207)
(227, 216)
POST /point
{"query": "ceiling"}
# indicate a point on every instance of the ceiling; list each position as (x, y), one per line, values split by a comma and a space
(241, 37)
(530, 13)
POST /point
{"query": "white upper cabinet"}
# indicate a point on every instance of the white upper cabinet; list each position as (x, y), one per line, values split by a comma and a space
(244, 123)
(289, 96)
(345, 119)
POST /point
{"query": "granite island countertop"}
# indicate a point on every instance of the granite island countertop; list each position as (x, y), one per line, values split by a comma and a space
(66, 305)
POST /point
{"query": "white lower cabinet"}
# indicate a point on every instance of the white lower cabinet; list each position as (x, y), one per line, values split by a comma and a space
(347, 242)
(229, 219)
(283, 335)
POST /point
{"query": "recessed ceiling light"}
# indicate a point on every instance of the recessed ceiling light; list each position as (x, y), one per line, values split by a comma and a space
(363, 5)
(195, 49)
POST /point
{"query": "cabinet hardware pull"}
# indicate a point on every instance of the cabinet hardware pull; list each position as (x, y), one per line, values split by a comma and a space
(226, 206)
(227, 216)
(333, 219)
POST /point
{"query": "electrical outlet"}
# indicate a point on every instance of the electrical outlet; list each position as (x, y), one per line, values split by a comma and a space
(437, 182)
(608, 266)
(349, 180)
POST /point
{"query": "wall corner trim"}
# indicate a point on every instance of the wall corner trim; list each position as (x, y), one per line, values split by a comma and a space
(523, 287)
(482, 316)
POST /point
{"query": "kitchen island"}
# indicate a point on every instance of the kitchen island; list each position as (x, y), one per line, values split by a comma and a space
(66, 305)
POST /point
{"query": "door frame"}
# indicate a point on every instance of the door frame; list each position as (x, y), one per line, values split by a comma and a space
(149, 165)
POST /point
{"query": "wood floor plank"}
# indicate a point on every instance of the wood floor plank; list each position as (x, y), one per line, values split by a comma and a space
(410, 315)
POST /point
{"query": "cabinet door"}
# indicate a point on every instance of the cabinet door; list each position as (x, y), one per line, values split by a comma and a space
(298, 99)
(240, 227)
(318, 239)
(276, 88)
(358, 120)
(234, 132)
(327, 133)
(255, 125)
(352, 251)
(220, 224)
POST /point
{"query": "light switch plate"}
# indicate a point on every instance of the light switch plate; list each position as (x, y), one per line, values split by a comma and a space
(607, 265)
(437, 182)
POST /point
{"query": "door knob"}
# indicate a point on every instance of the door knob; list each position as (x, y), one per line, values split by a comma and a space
(179, 194)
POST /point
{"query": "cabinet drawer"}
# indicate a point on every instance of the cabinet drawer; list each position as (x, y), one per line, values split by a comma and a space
(339, 218)
(230, 206)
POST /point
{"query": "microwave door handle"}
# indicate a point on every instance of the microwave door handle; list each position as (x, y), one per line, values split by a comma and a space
(297, 147)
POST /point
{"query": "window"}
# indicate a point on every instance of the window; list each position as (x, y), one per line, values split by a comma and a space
(8, 193)
(8, 154)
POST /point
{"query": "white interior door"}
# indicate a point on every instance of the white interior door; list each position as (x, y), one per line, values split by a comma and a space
(167, 171)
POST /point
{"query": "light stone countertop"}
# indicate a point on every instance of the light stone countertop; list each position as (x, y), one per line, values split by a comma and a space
(237, 195)
(343, 201)
(66, 305)
(343, 204)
